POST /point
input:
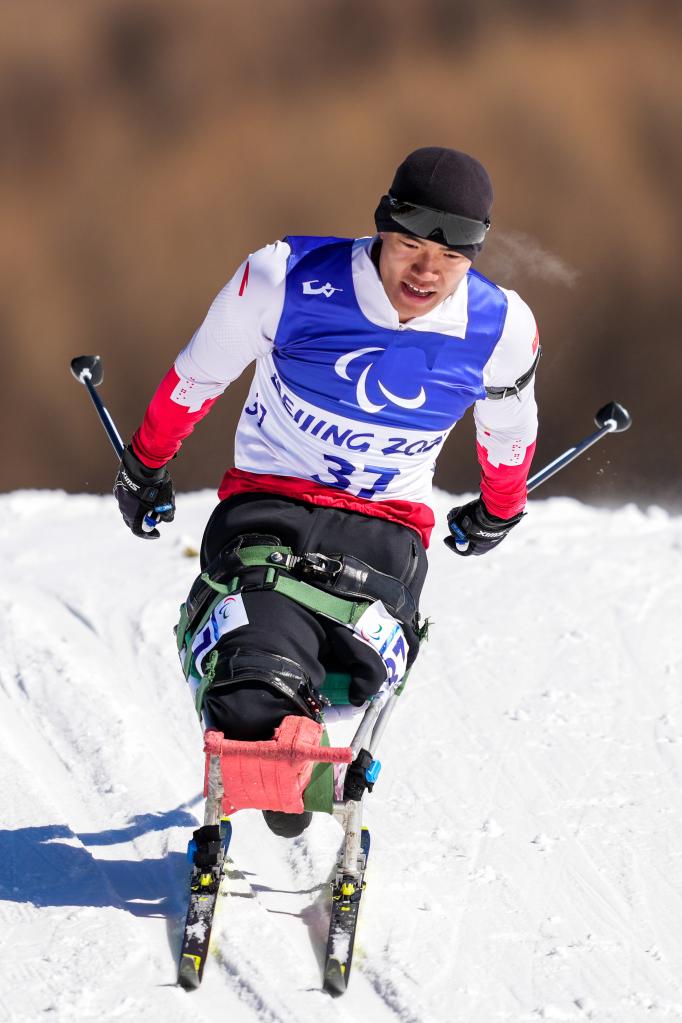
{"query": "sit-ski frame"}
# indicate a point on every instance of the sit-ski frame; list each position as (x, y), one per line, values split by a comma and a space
(349, 813)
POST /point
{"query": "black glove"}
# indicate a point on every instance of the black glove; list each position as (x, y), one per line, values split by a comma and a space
(479, 531)
(140, 491)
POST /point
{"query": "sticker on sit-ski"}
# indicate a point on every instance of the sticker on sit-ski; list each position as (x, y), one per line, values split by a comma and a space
(229, 614)
(383, 633)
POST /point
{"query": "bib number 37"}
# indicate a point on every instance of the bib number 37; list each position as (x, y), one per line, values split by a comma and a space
(342, 470)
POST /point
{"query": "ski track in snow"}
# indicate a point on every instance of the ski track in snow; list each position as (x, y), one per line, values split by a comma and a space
(526, 831)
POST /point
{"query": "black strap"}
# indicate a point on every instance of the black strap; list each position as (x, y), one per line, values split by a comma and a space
(346, 576)
(224, 566)
(497, 393)
(246, 666)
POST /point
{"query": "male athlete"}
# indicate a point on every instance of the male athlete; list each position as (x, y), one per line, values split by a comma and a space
(367, 353)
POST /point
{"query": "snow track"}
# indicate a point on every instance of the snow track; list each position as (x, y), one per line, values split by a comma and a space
(527, 827)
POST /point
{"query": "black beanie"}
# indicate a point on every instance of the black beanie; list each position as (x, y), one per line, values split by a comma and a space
(442, 179)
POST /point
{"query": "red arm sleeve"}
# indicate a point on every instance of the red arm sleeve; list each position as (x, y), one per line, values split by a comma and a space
(503, 487)
(167, 422)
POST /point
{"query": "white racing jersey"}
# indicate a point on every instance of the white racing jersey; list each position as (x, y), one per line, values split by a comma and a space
(347, 405)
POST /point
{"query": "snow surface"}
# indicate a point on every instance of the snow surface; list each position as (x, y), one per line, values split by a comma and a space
(526, 831)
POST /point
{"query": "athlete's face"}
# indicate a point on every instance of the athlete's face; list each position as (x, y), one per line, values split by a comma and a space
(416, 274)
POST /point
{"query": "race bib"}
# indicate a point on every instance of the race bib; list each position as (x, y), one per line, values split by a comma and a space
(227, 615)
(383, 633)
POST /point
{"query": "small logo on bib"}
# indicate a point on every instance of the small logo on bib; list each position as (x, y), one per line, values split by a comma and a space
(325, 289)
(227, 615)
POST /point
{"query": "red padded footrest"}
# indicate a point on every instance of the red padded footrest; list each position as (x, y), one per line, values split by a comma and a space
(271, 775)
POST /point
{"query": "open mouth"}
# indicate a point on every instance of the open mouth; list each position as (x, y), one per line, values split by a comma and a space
(415, 293)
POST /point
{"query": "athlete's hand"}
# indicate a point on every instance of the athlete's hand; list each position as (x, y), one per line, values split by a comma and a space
(473, 530)
(142, 491)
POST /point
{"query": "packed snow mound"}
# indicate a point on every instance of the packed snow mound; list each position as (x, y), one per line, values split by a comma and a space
(526, 829)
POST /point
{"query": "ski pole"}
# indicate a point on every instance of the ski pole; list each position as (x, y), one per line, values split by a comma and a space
(611, 418)
(87, 369)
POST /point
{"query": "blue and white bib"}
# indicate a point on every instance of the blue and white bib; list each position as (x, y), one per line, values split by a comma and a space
(349, 404)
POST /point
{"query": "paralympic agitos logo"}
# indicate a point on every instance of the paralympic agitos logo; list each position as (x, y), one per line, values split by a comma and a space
(341, 367)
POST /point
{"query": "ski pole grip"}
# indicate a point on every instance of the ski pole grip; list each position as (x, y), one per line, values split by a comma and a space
(152, 518)
(149, 522)
(461, 539)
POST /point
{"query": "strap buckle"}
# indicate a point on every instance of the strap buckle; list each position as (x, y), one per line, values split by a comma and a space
(514, 389)
(313, 698)
(319, 565)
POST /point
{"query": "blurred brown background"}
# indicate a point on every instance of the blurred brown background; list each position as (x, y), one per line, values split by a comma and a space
(148, 146)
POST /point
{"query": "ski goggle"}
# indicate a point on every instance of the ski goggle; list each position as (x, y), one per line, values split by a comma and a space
(434, 225)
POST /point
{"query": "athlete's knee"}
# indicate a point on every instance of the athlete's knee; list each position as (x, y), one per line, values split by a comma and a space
(253, 691)
(375, 655)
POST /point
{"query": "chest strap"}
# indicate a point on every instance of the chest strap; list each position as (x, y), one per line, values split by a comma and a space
(497, 393)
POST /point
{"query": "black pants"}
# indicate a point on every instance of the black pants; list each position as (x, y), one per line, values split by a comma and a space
(278, 625)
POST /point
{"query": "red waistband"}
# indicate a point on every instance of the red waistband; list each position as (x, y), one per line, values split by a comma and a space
(416, 516)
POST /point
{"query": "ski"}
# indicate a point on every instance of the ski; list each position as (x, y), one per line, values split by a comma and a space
(347, 889)
(207, 852)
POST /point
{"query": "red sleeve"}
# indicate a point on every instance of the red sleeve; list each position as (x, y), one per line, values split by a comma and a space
(503, 487)
(166, 423)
